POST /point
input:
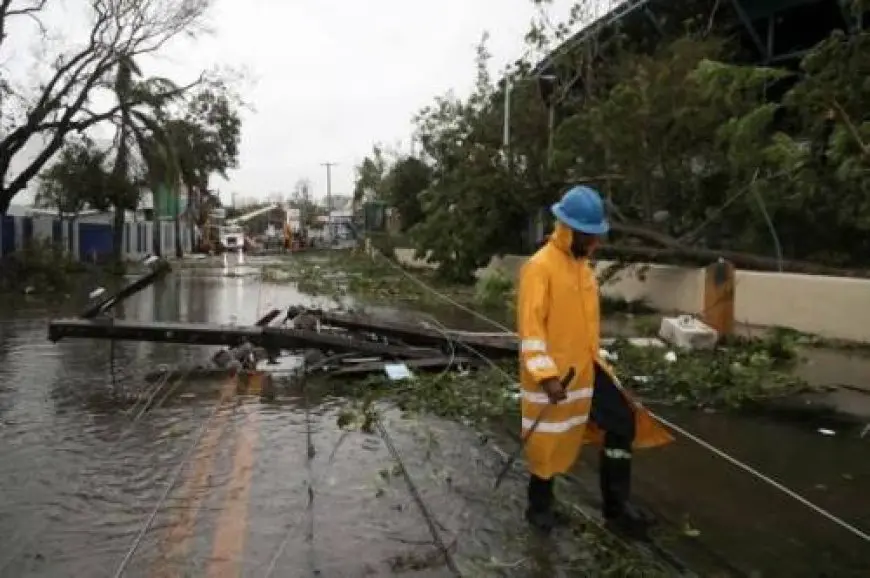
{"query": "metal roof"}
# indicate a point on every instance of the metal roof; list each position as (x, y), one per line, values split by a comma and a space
(776, 31)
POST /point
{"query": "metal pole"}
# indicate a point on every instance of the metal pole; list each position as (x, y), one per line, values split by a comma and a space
(306, 215)
(507, 114)
(551, 126)
(329, 199)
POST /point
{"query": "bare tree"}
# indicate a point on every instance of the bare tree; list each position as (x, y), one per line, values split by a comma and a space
(120, 30)
(14, 9)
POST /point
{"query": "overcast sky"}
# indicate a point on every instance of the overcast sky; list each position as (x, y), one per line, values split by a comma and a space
(329, 78)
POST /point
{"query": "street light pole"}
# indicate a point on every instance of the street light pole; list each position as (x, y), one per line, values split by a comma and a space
(551, 131)
(507, 113)
(329, 197)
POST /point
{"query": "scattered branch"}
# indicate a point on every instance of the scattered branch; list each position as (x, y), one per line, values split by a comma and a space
(850, 126)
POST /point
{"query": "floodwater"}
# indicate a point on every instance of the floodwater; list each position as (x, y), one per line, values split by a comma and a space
(79, 478)
(83, 487)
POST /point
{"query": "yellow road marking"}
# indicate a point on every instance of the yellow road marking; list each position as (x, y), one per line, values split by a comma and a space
(176, 541)
(229, 540)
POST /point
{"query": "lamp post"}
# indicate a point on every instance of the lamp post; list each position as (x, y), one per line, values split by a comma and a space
(329, 200)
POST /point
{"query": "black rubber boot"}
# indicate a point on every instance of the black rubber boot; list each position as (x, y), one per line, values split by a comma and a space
(633, 522)
(540, 513)
(560, 517)
(615, 479)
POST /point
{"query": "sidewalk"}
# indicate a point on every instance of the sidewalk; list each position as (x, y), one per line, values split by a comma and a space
(847, 372)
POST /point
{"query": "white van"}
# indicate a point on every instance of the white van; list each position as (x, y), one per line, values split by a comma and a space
(232, 238)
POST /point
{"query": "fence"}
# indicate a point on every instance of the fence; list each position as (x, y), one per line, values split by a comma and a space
(89, 241)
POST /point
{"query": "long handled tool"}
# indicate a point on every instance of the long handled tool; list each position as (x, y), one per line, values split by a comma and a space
(565, 381)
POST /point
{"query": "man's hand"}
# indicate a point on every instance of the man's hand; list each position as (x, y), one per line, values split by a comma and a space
(554, 389)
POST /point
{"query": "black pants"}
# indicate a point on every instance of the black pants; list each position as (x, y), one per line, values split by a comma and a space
(611, 413)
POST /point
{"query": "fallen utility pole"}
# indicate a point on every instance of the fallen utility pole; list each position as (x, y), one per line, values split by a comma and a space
(268, 318)
(419, 347)
(270, 338)
(160, 270)
(493, 347)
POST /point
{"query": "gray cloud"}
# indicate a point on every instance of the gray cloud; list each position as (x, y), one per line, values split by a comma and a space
(329, 78)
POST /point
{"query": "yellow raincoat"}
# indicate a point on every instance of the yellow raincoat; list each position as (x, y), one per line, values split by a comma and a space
(559, 324)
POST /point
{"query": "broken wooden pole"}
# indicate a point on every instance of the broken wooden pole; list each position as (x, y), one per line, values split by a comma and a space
(213, 334)
(160, 270)
(268, 318)
(271, 354)
(153, 331)
(493, 347)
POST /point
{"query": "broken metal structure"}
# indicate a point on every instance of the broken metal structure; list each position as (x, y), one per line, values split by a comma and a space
(770, 32)
(315, 334)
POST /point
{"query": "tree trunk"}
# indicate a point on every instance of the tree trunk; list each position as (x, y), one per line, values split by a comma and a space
(179, 249)
(117, 236)
(62, 247)
(156, 234)
(700, 256)
(5, 201)
(671, 248)
(156, 229)
(193, 216)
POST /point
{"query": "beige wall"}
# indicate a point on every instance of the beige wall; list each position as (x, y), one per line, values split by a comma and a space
(833, 307)
(663, 287)
(836, 307)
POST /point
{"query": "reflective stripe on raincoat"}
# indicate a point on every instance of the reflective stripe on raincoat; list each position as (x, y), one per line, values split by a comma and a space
(558, 320)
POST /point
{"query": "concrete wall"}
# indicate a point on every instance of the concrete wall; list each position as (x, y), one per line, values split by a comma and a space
(832, 307)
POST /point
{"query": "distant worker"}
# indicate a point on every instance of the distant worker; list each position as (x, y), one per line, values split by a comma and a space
(559, 322)
(288, 236)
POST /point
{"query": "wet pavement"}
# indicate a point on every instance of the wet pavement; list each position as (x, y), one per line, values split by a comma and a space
(78, 478)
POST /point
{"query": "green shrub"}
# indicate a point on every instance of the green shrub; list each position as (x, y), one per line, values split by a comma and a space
(40, 266)
(495, 290)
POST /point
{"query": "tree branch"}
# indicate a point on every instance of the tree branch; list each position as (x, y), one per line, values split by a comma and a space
(121, 30)
(646, 234)
(850, 126)
(7, 11)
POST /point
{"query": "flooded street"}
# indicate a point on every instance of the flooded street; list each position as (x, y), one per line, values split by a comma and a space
(79, 477)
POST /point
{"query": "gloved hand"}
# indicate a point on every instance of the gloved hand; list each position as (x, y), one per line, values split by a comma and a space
(554, 389)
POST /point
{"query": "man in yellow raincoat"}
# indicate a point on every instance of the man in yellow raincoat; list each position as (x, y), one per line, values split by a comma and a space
(559, 322)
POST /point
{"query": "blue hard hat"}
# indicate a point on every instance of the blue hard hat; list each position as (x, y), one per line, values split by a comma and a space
(582, 209)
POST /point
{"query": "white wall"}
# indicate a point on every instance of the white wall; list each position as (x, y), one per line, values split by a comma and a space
(833, 307)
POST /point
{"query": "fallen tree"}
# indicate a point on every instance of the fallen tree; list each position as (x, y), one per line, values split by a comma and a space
(671, 250)
(683, 140)
(701, 257)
